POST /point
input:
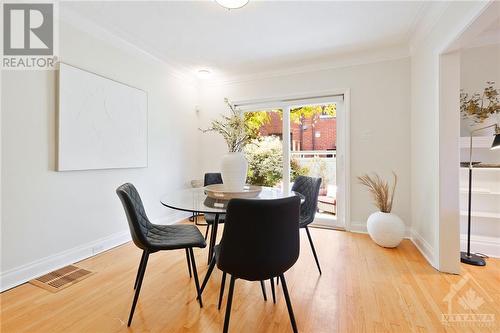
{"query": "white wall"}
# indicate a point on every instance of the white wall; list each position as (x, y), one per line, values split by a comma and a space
(380, 122)
(478, 65)
(51, 218)
(437, 239)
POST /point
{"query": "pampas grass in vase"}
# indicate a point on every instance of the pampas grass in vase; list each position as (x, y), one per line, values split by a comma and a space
(385, 228)
(383, 197)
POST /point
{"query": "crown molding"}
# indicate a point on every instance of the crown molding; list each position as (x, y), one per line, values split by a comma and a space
(364, 57)
(97, 31)
(416, 23)
(428, 16)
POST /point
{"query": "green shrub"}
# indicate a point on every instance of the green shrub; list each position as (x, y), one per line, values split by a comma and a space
(265, 162)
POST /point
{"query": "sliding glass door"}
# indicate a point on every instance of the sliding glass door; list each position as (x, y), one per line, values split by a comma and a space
(309, 147)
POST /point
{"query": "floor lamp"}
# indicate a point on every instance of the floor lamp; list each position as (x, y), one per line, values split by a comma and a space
(467, 257)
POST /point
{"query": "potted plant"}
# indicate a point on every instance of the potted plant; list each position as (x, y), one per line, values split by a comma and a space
(481, 107)
(385, 228)
(237, 134)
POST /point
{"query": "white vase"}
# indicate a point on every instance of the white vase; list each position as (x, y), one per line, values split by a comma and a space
(385, 229)
(234, 169)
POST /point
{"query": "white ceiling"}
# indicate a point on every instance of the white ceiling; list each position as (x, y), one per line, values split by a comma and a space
(263, 36)
(483, 31)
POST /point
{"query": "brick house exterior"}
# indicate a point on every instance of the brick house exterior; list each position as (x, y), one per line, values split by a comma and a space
(319, 133)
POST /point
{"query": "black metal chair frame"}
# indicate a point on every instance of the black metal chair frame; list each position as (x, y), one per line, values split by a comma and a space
(233, 279)
(211, 178)
(142, 270)
(309, 188)
(138, 239)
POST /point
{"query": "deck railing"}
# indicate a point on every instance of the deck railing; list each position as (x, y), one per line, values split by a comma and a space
(313, 153)
(320, 163)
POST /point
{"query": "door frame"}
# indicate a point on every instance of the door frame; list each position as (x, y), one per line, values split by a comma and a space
(343, 139)
(446, 253)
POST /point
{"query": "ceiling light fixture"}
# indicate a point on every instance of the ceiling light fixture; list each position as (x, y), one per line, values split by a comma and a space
(232, 4)
(204, 73)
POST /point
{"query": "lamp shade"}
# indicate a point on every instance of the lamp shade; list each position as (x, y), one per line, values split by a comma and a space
(496, 142)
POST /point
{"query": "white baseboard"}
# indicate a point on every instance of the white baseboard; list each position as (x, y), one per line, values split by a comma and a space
(423, 246)
(359, 227)
(482, 244)
(24, 273)
(172, 218)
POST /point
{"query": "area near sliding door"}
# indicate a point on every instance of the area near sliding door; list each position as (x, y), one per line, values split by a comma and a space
(315, 144)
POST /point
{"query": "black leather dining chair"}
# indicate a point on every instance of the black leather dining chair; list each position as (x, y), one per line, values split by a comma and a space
(260, 241)
(152, 238)
(212, 178)
(309, 188)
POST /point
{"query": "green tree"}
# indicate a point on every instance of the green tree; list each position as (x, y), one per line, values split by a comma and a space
(298, 115)
(255, 121)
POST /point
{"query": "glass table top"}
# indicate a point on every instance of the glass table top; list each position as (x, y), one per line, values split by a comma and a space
(195, 199)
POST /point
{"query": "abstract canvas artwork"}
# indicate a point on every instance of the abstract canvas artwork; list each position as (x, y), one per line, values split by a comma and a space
(102, 123)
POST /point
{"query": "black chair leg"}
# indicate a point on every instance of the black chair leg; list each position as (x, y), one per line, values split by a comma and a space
(288, 304)
(206, 231)
(229, 303)
(139, 269)
(272, 290)
(196, 216)
(312, 247)
(195, 272)
(139, 284)
(213, 238)
(207, 276)
(263, 287)
(222, 285)
(189, 263)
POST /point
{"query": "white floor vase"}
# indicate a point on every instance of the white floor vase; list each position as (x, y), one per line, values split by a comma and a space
(385, 229)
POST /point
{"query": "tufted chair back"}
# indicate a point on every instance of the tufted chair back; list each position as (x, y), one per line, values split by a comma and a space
(261, 238)
(212, 178)
(138, 221)
(309, 188)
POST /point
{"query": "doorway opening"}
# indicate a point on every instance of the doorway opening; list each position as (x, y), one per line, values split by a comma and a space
(453, 143)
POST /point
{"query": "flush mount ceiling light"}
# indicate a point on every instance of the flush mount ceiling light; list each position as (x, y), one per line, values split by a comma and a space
(204, 73)
(232, 4)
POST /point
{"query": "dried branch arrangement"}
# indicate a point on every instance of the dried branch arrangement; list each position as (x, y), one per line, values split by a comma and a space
(383, 195)
(480, 107)
(233, 129)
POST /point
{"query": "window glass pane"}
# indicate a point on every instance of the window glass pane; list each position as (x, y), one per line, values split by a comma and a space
(313, 147)
(265, 153)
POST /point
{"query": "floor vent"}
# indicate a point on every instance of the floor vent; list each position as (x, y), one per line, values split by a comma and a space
(61, 278)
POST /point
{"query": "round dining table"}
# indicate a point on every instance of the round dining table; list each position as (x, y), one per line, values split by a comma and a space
(195, 200)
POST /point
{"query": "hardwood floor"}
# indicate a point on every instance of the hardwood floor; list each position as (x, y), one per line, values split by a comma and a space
(364, 288)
